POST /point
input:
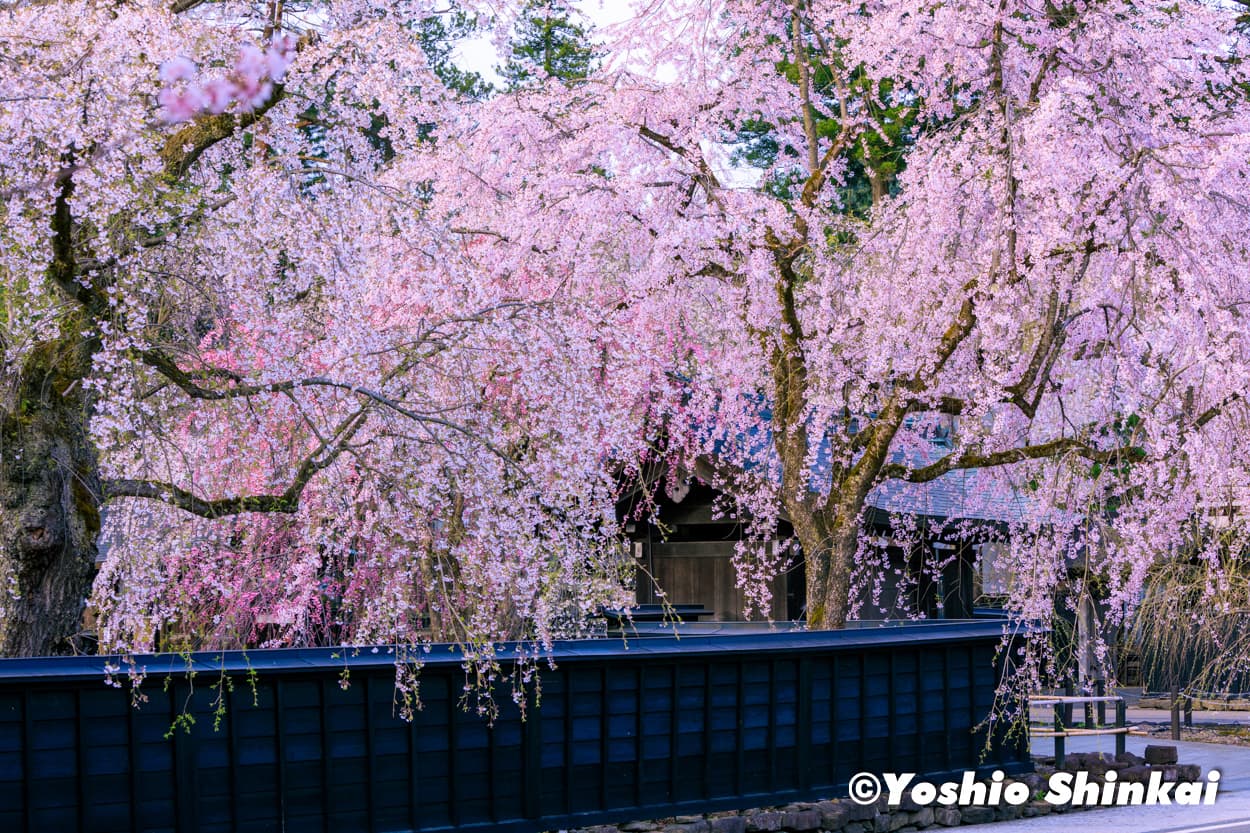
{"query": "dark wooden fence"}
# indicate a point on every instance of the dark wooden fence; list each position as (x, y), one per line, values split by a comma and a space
(657, 727)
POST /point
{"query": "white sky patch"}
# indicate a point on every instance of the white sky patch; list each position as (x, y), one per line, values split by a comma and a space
(479, 55)
(718, 156)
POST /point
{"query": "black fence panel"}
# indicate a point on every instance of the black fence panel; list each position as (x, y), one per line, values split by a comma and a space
(311, 739)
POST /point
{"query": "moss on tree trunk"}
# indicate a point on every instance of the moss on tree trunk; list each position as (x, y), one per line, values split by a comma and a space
(49, 504)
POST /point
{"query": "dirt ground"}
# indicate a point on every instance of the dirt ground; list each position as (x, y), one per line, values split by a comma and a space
(1236, 734)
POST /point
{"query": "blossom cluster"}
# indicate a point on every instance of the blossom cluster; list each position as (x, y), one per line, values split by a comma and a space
(250, 81)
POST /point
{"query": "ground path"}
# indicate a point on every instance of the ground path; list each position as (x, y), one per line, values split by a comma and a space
(1229, 814)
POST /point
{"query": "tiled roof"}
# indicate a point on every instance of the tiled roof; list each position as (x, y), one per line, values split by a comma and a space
(971, 494)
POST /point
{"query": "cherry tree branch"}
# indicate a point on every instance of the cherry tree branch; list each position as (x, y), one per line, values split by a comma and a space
(1042, 451)
(1215, 410)
(1050, 343)
(186, 145)
(805, 90)
(190, 381)
(704, 175)
(63, 269)
(286, 501)
(898, 407)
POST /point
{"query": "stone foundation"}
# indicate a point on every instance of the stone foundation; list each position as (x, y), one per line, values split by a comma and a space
(845, 816)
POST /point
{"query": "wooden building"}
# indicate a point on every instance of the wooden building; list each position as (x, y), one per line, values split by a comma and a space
(685, 550)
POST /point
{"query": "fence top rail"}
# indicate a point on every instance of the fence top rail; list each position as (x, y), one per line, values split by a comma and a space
(1071, 733)
(1050, 699)
(313, 660)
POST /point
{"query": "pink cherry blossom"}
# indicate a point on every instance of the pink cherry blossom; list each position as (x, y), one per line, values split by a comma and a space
(218, 94)
(177, 69)
(249, 83)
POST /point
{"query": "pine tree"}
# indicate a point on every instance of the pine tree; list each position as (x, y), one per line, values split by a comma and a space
(549, 43)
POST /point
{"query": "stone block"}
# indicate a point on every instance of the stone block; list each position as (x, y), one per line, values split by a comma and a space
(801, 820)
(1007, 812)
(1130, 758)
(922, 817)
(639, 827)
(948, 816)
(898, 821)
(976, 815)
(727, 824)
(1096, 768)
(764, 820)
(861, 812)
(834, 815)
(855, 827)
(1160, 754)
(1188, 772)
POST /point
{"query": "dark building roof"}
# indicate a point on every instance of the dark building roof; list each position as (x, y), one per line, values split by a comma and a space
(965, 494)
(973, 494)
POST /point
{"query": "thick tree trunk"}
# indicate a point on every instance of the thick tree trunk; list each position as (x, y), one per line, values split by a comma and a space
(879, 188)
(829, 558)
(49, 509)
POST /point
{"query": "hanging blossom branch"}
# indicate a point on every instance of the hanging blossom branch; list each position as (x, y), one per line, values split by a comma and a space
(250, 82)
(186, 382)
(287, 501)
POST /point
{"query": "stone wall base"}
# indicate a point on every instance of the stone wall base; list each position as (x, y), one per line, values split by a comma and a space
(846, 816)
